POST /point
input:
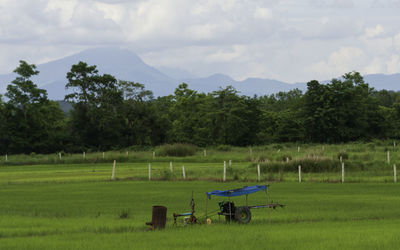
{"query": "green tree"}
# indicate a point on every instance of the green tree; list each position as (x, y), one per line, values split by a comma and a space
(96, 118)
(32, 121)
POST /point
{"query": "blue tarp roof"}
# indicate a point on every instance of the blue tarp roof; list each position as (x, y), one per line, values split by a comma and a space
(237, 192)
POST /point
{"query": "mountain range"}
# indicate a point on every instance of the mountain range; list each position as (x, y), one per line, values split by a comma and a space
(126, 65)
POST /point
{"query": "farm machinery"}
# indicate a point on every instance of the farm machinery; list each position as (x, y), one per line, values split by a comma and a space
(228, 209)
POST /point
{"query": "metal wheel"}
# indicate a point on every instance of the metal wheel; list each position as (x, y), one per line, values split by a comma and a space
(243, 215)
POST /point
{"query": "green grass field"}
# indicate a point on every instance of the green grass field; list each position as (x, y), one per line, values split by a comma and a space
(43, 211)
(72, 204)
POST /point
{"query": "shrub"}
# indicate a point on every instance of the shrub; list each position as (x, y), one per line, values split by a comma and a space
(223, 147)
(310, 165)
(343, 154)
(177, 149)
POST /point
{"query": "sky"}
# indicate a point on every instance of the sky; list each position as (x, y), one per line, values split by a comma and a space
(287, 40)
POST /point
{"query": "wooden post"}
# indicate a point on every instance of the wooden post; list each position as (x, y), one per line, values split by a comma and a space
(388, 157)
(171, 167)
(287, 159)
(224, 177)
(183, 172)
(299, 173)
(6, 158)
(59, 155)
(103, 155)
(341, 159)
(342, 172)
(84, 155)
(154, 154)
(279, 150)
(113, 171)
(395, 173)
(394, 144)
(258, 172)
(149, 171)
(298, 149)
(127, 153)
(205, 152)
(323, 148)
(230, 164)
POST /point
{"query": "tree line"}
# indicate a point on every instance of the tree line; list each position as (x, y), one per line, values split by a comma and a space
(108, 113)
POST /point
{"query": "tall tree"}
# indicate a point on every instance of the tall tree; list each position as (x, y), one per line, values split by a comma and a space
(32, 121)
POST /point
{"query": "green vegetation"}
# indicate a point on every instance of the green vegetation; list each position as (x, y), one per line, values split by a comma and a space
(103, 215)
(110, 114)
(176, 149)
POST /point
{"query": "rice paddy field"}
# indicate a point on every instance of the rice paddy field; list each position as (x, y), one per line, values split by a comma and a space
(48, 203)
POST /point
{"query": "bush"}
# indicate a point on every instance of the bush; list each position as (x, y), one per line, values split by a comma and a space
(344, 155)
(177, 149)
(223, 147)
(308, 165)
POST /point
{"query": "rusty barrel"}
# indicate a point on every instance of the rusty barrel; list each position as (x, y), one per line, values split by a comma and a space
(158, 218)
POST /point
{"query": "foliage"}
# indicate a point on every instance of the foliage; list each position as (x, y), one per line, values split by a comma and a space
(176, 149)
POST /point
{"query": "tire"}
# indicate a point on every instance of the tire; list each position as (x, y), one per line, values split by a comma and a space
(243, 215)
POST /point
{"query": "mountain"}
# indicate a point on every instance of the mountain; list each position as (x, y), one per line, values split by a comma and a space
(126, 65)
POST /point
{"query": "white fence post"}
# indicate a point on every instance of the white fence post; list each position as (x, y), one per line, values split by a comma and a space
(205, 152)
(388, 157)
(127, 153)
(299, 173)
(183, 172)
(149, 171)
(394, 144)
(171, 167)
(59, 155)
(395, 173)
(258, 172)
(230, 164)
(298, 149)
(341, 159)
(103, 155)
(287, 159)
(84, 155)
(6, 158)
(342, 172)
(154, 154)
(224, 177)
(113, 171)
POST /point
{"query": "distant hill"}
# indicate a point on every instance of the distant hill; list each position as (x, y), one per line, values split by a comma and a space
(126, 65)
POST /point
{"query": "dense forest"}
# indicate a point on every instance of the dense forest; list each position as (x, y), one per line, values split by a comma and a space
(108, 113)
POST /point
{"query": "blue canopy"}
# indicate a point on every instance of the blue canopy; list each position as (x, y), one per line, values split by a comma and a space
(237, 192)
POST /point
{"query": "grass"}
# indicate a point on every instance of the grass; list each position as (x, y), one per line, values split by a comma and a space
(87, 215)
(72, 204)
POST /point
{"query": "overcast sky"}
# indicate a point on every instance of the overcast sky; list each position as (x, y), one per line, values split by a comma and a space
(288, 40)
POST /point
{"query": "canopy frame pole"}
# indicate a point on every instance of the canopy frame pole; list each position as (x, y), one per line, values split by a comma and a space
(206, 206)
(230, 210)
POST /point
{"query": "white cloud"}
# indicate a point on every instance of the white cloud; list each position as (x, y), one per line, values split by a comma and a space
(372, 32)
(286, 40)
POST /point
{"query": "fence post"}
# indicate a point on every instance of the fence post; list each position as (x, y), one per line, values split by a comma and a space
(84, 155)
(341, 159)
(394, 144)
(103, 155)
(224, 177)
(154, 154)
(251, 151)
(171, 167)
(205, 152)
(183, 172)
(287, 159)
(59, 155)
(388, 157)
(342, 172)
(113, 171)
(127, 153)
(6, 158)
(298, 149)
(258, 172)
(299, 173)
(395, 173)
(149, 171)
(230, 164)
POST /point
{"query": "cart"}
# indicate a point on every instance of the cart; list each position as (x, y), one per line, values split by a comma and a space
(240, 214)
